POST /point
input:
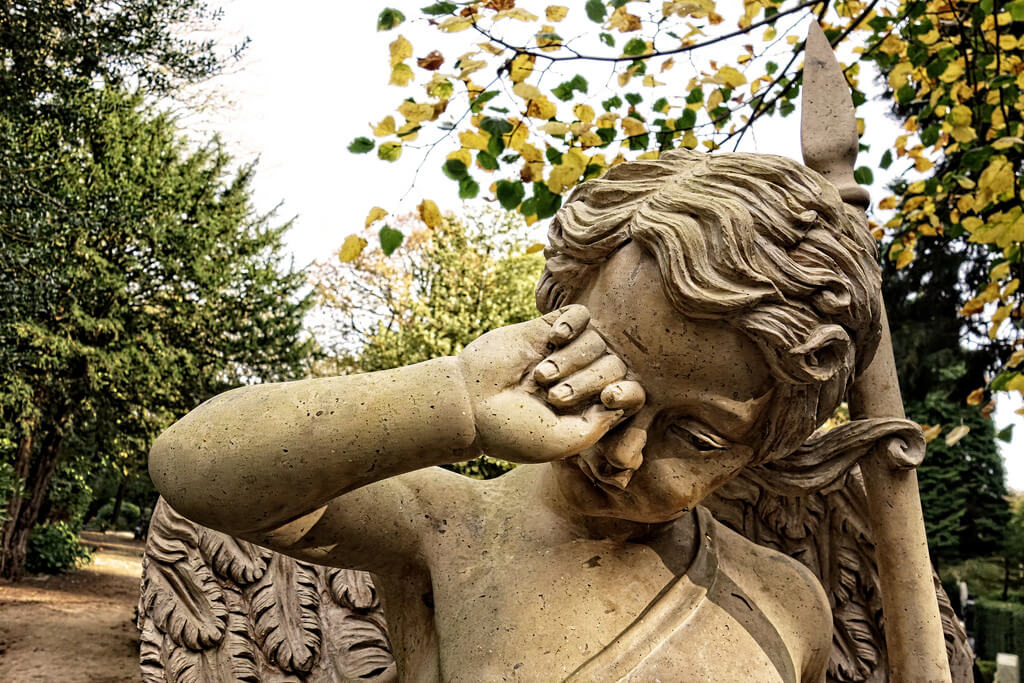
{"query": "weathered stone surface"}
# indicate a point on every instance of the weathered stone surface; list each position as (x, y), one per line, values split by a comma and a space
(677, 515)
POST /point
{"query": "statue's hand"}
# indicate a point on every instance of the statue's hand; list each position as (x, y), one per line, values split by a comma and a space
(546, 389)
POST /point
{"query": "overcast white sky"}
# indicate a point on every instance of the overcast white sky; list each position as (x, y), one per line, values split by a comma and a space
(315, 76)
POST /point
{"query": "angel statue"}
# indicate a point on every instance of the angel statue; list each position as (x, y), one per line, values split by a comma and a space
(677, 514)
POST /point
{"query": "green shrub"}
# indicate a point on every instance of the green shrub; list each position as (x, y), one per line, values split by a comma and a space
(998, 627)
(129, 515)
(54, 548)
(987, 669)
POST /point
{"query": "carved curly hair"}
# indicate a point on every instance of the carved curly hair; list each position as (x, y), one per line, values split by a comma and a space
(760, 242)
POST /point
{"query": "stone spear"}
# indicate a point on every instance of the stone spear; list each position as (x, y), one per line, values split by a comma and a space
(913, 629)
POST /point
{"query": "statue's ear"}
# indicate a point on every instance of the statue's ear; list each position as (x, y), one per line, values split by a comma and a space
(826, 352)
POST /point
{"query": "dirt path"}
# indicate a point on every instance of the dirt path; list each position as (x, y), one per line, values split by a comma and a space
(78, 626)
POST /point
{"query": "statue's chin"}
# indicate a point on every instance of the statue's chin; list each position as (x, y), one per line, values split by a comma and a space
(587, 495)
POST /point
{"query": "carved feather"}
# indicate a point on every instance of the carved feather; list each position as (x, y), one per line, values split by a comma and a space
(366, 646)
(233, 559)
(352, 589)
(284, 610)
(184, 600)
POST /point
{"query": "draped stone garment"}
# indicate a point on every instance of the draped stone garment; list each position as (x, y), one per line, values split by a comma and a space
(702, 627)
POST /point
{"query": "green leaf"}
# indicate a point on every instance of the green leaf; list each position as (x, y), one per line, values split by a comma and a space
(389, 18)
(553, 155)
(579, 83)
(786, 107)
(687, 120)
(1005, 434)
(634, 98)
(510, 194)
(696, 96)
(607, 39)
(1016, 10)
(439, 8)
(454, 169)
(635, 47)
(612, 103)
(389, 151)
(547, 202)
(661, 105)
(468, 188)
(864, 176)
(496, 126)
(487, 161)
(477, 105)
(596, 10)
(770, 68)
(361, 145)
(495, 146)
(390, 239)
(886, 161)
(606, 134)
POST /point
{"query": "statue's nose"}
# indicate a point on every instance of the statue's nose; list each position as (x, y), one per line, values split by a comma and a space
(626, 451)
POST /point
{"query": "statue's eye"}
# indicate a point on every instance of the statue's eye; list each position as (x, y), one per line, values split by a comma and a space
(701, 439)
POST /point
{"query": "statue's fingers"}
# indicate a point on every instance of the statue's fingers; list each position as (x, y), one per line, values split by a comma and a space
(576, 433)
(576, 355)
(589, 382)
(569, 325)
(626, 395)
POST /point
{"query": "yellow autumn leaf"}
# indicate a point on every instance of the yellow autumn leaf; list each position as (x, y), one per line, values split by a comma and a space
(995, 181)
(400, 49)
(714, 99)
(515, 13)
(389, 151)
(555, 128)
(689, 140)
(584, 112)
(537, 246)
(416, 113)
(976, 397)
(1000, 271)
(729, 76)
(1015, 358)
(899, 75)
(401, 75)
(463, 155)
(929, 38)
(541, 108)
(591, 139)
(891, 45)
(667, 64)
(651, 82)
(632, 127)
(521, 67)
(769, 34)
(474, 139)
(351, 248)
(956, 434)
(953, 71)
(960, 115)
(376, 213)
(526, 91)
(470, 66)
(491, 48)
(906, 256)
(963, 134)
(931, 432)
(888, 203)
(566, 173)
(1006, 143)
(429, 213)
(1016, 384)
(385, 127)
(651, 155)
(555, 13)
(455, 24)
(530, 153)
(624, 21)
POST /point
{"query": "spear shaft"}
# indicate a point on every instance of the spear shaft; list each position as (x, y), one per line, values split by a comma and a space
(913, 629)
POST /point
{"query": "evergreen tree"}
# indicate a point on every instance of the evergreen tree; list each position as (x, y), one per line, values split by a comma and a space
(135, 281)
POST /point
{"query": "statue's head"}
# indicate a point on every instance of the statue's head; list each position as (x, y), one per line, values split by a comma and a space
(742, 293)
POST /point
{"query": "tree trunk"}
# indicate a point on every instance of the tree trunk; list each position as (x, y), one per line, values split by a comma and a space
(118, 501)
(18, 529)
(1006, 577)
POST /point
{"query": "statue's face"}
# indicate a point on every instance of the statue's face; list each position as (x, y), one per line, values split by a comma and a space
(707, 386)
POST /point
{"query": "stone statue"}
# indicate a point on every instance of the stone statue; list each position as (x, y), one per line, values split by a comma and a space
(677, 514)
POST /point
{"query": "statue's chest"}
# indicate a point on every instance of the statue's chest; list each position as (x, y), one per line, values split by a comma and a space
(536, 614)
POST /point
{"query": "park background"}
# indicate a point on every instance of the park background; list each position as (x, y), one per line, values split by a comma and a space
(85, 397)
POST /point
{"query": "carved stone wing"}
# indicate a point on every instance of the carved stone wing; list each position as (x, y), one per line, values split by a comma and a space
(215, 608)
(812, 506)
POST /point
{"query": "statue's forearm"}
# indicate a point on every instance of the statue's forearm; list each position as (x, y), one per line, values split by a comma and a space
(256, 457)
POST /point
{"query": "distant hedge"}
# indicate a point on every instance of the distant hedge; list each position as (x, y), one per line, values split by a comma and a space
(998, 627)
